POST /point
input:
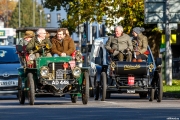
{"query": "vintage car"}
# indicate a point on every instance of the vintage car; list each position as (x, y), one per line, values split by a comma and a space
(113, 76)
(52, 75)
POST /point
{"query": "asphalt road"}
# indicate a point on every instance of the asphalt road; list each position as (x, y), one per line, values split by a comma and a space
(119, 107)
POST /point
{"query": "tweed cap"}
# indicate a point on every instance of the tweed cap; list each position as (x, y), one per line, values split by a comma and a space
(29, 34)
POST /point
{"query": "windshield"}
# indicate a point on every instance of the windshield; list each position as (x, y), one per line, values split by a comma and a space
(8, 55)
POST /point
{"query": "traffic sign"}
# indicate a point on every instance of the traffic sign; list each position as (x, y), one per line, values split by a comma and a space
(172, 26)
(155, 11)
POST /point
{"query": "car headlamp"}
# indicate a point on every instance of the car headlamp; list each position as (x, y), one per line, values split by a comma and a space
(31, 57)
(44, 71)
(78, 56)
(76, 72)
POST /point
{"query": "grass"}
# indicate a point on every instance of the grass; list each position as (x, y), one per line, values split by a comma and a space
(175, 88)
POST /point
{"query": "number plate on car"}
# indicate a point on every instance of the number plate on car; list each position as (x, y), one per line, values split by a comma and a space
(59, 82)
(131, 91)
(9, 83)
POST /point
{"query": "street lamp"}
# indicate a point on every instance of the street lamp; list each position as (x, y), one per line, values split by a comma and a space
(19, 13)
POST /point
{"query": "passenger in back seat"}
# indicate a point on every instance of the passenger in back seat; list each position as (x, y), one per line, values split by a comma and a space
(140, 44)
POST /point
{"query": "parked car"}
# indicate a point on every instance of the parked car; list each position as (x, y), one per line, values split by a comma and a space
(9, 62)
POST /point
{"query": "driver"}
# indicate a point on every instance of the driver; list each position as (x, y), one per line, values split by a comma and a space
(38, 43)
(120, 44)
(62, 44)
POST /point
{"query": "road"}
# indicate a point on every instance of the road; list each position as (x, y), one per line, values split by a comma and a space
(119, 107)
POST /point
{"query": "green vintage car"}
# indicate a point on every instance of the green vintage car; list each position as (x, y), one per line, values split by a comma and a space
(52, 75)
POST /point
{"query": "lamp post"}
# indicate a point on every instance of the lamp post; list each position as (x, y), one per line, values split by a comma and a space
(40, 13)
(19, 13)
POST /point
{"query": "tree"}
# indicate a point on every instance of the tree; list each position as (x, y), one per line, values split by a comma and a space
(26, 12)
(6, 8)
(132, 12)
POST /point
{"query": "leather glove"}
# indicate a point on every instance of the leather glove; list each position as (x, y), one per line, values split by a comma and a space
(111, 51)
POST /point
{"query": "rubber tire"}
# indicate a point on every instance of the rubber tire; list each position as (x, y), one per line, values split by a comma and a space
(143, 95)
(103, 86)
(91, 93)
(108, 95)
(21, 94)
(74, 98)
(96, 89)
(151, 95)
(85, 88)
(159, 89)
(30, 85)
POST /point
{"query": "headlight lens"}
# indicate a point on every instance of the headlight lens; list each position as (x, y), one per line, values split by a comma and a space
(76, 72)
(32, 57)
(44, 71)
(78, 56)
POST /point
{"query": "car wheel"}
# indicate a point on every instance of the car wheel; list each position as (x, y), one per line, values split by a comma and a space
(143, 95)
(91, 93)
(96, 88)
(103, 86)
(151, 96)
(21, 94)
(108, 95)
(85, 88)
(159, 90)
(74, 98)
(30, 85)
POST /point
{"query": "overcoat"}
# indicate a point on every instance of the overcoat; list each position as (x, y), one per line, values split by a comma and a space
(66, 46)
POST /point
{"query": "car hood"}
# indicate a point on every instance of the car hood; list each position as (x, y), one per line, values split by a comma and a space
(9, 68)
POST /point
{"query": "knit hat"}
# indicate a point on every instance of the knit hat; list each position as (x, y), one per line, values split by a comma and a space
(138, 30)
(29, 34)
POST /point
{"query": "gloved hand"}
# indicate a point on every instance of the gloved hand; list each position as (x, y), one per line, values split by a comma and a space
(111, 51)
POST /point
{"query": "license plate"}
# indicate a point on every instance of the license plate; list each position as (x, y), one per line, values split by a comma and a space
(8, 83)
(130, 91)
(60, 82)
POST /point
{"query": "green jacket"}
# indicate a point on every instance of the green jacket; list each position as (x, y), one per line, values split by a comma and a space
(34, 42)
(120, 44)
(140, 43)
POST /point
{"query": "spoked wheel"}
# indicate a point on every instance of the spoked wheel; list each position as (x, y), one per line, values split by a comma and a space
(21, 94)
(74, 98)
(85, 88)
(103, 86)
(31, 91)
(159, 88)
(108, 95)
(96, 90)
(151, 94)
(91, 93)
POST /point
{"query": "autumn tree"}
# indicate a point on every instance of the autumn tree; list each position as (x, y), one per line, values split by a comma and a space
(26, 12)
(107, 11)
(6, 9)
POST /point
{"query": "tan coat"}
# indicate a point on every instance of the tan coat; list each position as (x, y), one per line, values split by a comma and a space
(140, 43)
(67, 46)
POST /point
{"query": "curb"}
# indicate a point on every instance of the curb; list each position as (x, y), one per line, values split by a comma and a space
(171, 95)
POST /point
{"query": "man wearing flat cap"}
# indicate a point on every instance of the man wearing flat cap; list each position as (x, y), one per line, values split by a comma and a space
(27, 37)
(120, 44)
(140, 44)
